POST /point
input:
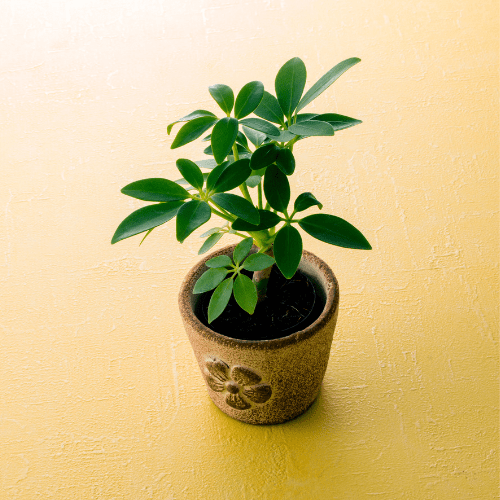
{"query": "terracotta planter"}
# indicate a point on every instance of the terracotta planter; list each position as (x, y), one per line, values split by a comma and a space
(264, 381)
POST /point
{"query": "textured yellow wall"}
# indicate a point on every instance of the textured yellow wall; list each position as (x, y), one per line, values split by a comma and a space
(100, 395)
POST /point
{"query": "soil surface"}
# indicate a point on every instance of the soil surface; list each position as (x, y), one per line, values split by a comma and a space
(291, 305)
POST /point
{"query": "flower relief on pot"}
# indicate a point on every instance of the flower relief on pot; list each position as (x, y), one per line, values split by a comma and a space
(242, 385)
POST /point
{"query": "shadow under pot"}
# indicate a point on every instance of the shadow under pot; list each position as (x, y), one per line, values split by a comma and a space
(265, 381)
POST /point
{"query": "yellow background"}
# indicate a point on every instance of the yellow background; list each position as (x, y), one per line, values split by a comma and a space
(101, 397)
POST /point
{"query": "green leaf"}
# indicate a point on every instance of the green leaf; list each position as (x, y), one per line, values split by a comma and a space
(268, 219)
(215, 174)
(269, 109)
(287, 250)
(242, 140)
(255, 137)
(145, 236)
(264, 156)
(146, 218)
(232, 176)
(192, 130)
(310, 127)
(285, 136)
(289, 84)
(286, 161)
(219, 261)
(195, 114)
(155, 189)
(253, 181)
(223, 137)
(191, 216)
(223, 96)
(258, 262)
(276, 188)
(241, 250)
(211, 231)
(326, 80)
(305, 201)
(338, 122)
(208, 164)
(219, 299)
(238, 206)
(245, 293)
(260, 125)
(248, 99)
(209, 280)
(210, 242)
(334, 230)
(191, 172)
(186, 185)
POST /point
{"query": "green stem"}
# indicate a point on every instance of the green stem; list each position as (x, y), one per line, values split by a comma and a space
(220, 214)
(259, 194)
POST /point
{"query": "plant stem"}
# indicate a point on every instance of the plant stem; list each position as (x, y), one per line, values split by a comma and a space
(259, 194)
(261, 278)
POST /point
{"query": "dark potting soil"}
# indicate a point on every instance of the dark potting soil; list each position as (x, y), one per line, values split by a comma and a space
(291, 305)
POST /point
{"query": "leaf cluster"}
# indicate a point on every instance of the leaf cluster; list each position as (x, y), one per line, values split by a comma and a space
(247, 153)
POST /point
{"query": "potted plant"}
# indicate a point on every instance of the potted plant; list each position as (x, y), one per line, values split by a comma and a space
(261, 314)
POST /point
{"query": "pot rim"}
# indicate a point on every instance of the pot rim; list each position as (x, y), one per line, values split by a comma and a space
(331, 305)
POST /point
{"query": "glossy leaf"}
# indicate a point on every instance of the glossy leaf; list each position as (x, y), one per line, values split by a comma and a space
(192, 130)
(287, 250)
(223, 137)
(242, 140)
(285, 136)
(253, 181)
(215, 174)
(305, 201)
(232, 176)
(248, 99)
(245, 293)
(338, 122)
(210, 279)
(238, 206)
(269, 109)
(211, 231)
(258, 262)
(311, 128)
(191, 172)
(185, 184)
(219, 261)
(208, 164)
(155, 189)
(241, 250)
(223, 96)
(289, 84)
(326, 80)
(261, 126)
(255, 137)
(276, 188)
(264, 156)
(334, 230)
(210, 242)
(286, 161)
(219, 299)
(195, 114)
(268, 219)
(190, 217)
(146, 218)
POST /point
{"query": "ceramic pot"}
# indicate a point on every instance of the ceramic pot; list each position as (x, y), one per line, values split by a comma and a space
(264, 381)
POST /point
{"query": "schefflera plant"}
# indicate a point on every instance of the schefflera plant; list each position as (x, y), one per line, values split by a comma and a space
(248, 153)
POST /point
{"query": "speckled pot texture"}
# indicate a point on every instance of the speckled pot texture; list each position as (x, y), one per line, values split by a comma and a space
(264, 381)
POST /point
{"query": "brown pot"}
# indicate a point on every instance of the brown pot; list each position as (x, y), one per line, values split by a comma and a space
(264, 381)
